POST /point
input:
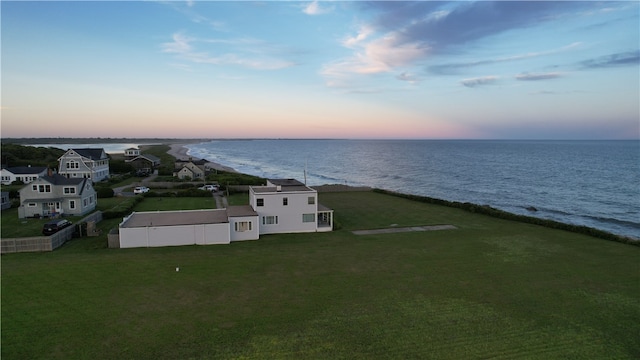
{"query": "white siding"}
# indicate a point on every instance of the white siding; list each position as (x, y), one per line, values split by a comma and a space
(177, 235)
(244, 235)
(290, 215)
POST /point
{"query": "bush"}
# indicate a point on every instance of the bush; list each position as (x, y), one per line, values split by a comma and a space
(123, 209)
(185, 186)
(193, 193)
(104, 192)
(232, 178)
(501, 214)
(165, 171)
(120, 167)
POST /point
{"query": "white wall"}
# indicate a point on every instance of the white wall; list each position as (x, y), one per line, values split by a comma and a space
(244, 235)
(289, 216)
(157, 236)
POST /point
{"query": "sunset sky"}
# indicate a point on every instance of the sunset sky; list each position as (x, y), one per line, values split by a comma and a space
(271, 69)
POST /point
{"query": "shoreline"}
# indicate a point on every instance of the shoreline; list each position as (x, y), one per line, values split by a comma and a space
(180, 152)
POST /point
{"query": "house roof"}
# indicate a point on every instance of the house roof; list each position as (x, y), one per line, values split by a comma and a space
(282, 185)
(285, 182)
(151, 158)
(91, 153)
(174, 218)
(241, 210)
(273, 189)
(26, 169)
(57, 179)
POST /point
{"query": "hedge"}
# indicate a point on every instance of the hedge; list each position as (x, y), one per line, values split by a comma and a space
(123, 209)
(488, 210)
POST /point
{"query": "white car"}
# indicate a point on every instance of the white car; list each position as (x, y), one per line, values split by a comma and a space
(209, 187)
(141, 190)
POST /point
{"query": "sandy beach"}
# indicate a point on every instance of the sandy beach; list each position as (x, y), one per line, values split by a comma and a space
(180, 152)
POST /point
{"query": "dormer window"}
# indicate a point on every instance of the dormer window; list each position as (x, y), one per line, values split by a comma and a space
(41, 188)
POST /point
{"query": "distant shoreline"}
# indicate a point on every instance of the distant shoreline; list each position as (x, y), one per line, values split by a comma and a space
(181, 152)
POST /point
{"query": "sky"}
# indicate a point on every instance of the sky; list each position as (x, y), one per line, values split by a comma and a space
(321, 69)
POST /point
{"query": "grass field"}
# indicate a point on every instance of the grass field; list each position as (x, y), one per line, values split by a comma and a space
(489, 289)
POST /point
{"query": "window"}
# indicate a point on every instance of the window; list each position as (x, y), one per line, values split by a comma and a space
(69, 190)
(31, 205)
(72, 204)
(269, 220)
(43, 188)
(72, 165)
(285, 201)
(259, 202)
(308, 218)
(242, 226)
(311, 200)
(34, 187)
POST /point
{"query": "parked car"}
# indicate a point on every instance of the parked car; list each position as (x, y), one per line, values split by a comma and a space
(209, 187)
(143, 172)
(54, 226)
(141, 190)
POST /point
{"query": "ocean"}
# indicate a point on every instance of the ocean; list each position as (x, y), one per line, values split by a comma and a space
(590, 183)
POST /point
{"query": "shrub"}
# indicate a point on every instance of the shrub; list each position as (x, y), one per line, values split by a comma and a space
(185, 186)
(123, 209)
(193, 193)
(104, 192)
(165, 171)
(488, 210)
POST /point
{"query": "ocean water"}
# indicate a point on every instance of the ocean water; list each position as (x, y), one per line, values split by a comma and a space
(591, 183)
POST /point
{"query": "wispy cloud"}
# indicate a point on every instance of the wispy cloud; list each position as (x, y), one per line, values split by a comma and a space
(442, 26)
(453, 68)
(187, 8)
(617, 59)
(409, 77)
(538, 76)
(314, 8)
(239, 54)
(407, 34)
(549, 92)
(363, 33)
(379, 55)
(479, 81)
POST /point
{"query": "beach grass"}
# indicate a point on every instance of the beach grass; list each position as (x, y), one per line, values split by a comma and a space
(491, 288)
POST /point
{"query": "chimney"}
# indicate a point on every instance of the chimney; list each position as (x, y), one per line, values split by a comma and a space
(49, 172)
(278, 188)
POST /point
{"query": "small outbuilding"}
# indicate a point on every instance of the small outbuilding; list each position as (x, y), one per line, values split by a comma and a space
(188, 227)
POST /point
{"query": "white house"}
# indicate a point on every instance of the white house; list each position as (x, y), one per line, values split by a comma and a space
(57, 195)
(281, 206)
(26, 174)
(288, 206)
(84, 163)
(131, 152)
(190, 170)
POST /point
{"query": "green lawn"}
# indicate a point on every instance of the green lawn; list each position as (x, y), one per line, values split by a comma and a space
(180, 203)
(490, 289)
